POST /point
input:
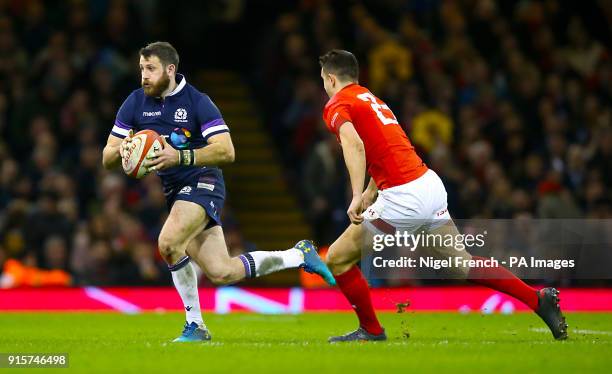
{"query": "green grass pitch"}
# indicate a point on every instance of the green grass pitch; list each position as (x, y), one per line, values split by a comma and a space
(251, 343)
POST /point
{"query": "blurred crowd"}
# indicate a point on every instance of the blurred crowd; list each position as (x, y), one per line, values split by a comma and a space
(509, 102)
(64, 71)
(65, 68)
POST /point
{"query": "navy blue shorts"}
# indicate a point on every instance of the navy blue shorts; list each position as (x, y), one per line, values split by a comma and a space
(208, 192)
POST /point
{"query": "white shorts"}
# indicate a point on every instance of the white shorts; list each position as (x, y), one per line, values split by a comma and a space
(419, 204)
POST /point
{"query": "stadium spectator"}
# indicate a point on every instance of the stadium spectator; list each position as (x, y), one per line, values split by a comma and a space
(517, 95)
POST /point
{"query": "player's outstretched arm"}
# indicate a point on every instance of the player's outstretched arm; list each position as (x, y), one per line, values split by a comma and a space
(354, 157)
(113, 151)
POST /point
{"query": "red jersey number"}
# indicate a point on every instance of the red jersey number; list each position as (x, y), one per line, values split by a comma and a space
(378, 109)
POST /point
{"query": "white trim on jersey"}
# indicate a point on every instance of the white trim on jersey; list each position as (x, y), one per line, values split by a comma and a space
(120, 131)
(178, 87)
(214, 129)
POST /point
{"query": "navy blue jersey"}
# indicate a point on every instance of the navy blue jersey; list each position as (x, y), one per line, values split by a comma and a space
(185, 117)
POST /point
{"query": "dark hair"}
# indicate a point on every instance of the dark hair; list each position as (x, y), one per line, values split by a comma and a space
(164, 51)
(341, 63)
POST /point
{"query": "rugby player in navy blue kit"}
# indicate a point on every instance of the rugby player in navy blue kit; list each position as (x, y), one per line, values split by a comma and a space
(197, 141)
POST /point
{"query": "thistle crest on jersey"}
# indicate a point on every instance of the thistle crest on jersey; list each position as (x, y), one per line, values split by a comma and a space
(180, 115)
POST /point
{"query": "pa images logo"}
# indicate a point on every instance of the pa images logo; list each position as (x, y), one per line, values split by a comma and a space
(180, 115)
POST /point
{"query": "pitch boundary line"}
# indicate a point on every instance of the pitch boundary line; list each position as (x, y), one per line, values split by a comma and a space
(575, 331)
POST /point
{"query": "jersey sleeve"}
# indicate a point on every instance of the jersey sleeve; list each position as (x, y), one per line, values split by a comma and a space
(337, 115)
(210, 119)
(124, 122)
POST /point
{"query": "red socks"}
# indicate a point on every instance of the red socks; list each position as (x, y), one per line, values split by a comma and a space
(356, 290)
(502, 280)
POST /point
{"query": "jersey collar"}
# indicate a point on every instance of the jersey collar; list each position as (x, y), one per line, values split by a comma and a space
(179, 86)
(348, 85)
(342, 89)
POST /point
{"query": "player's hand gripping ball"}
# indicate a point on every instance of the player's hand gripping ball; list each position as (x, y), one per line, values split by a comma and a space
(180, 138)
(137, 147)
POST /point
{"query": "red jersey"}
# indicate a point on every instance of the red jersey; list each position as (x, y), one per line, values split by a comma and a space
(390, 157)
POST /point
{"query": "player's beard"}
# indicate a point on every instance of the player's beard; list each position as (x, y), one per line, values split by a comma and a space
(156, 89)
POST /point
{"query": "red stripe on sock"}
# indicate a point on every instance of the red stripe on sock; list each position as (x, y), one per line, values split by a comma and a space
(356, 290)
(502, 280)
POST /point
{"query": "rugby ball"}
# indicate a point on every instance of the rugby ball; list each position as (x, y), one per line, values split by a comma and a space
(144, 143)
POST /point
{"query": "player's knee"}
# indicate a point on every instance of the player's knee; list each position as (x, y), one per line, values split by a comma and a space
(169, 247)
(336, 263)
(454, 272)
(459, 273)
(463, 272)
(221, 273)
(221, 277)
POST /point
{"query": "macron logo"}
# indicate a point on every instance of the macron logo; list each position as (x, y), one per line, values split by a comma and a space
(151, 114)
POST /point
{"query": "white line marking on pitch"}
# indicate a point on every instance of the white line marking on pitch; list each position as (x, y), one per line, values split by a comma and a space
(576, 331)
